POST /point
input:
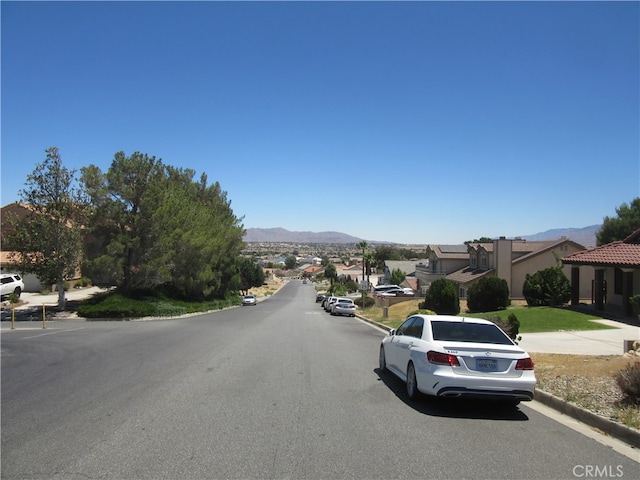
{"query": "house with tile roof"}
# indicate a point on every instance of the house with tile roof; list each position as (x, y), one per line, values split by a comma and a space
(408, 267)
(616, 273)
(504, 258)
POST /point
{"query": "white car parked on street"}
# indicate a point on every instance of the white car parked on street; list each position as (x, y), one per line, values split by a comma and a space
(11, 283)
(344, 306)
(447, 356)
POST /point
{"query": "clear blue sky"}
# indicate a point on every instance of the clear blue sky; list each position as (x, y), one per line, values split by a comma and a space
(417, 122)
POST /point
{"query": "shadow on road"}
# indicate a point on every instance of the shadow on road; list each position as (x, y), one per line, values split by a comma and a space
(452, 407)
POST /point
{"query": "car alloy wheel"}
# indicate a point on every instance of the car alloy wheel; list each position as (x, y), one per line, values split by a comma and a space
(412, 384)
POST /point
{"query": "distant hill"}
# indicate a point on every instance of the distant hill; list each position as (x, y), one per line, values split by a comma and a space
(274, 235)
(585, 236)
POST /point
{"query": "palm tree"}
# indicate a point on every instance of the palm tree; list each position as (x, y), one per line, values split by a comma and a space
(363, 246)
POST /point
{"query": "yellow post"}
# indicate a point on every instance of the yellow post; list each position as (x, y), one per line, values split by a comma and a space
(44, 317)
(13, 317)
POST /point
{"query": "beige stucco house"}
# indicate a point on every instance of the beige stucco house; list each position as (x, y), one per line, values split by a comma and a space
(614, 273)
(505, 258)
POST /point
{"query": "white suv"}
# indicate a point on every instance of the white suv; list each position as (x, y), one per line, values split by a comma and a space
(11, 283)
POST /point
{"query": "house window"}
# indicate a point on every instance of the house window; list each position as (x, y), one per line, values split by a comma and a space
(473, 260)
(434, 266)
(483, 260)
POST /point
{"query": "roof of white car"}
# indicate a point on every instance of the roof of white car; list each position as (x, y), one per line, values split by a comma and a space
(452, 318)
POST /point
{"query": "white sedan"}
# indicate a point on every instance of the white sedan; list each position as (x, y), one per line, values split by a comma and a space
(249, 300)
(344, 306)
(447, 356)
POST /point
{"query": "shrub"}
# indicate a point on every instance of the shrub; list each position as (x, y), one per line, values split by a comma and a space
(83, 282)
(13, 298)
(511, 326)
(628, 379)
(338, 290)
(442, 297)
(365, 302)
(421, 311)
(488, 294)
(351, 286)
(548, 287)
(166, 309)
(115, 305)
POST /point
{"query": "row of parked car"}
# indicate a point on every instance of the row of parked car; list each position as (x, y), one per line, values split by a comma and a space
(336, 305)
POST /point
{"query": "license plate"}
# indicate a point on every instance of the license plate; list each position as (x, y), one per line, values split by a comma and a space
(487, 364)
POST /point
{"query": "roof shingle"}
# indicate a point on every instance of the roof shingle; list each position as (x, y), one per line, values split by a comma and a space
(625, 253)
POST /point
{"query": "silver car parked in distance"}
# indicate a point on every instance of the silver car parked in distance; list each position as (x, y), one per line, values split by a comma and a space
(344, 306)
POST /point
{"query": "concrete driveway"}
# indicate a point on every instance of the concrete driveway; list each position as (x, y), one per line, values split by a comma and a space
(587, 342)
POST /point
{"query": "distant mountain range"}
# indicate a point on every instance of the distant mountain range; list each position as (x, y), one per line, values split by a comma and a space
(280, 235)
(585, 236)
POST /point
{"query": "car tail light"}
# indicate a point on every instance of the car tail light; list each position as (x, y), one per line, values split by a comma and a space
(524, 364)
(442, 358)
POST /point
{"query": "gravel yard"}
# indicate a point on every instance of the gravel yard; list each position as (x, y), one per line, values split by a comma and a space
(588, 381)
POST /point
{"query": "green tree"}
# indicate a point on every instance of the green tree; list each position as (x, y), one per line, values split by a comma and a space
(153, 225)
(251, 274)
(442, 297)
(125, 199)
(397, 276)
(363, 247)
(548, 287)
(618, 228)
(369, 259)
(330, 272)
(480, 240)
(49, 240)
(290, 262)
(384, 253)
(199, 238)
(488, 294)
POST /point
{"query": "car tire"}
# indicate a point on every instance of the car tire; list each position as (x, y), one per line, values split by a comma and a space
(412, 383)
(382, 360)
(17, 291)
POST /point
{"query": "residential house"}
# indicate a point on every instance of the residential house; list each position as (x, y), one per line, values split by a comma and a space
(7, 262)
(508, 259)
(441, 260)
(354, 272)
(614, 273)
(311, 271)
(409, 268)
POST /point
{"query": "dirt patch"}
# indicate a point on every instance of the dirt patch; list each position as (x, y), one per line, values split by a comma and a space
(271, 286)
(589, 382)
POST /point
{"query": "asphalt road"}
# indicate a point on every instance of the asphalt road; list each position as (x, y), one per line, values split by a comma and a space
(280, 390)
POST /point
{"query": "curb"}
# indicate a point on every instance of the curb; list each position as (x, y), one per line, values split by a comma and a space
(614, 429)
(621, 432)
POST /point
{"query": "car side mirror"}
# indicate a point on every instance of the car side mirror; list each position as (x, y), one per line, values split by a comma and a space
(392, 333)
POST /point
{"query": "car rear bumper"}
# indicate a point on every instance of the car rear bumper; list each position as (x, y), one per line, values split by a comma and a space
(446, 384)
(461, 392)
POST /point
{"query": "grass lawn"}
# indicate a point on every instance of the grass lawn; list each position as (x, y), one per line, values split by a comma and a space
(547, 319)
(532, 319)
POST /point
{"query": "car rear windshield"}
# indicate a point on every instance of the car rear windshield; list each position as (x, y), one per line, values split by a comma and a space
(469, 332)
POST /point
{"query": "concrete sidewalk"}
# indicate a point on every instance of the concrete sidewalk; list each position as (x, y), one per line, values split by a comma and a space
(587, 342)
(30, 300)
